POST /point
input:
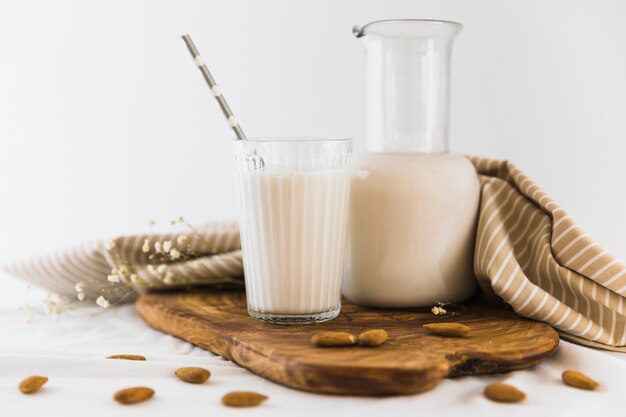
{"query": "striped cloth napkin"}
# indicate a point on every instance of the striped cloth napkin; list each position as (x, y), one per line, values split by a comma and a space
(122, 268)
(529, 253)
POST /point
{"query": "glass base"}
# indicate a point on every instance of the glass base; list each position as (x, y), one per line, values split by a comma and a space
(308, 318)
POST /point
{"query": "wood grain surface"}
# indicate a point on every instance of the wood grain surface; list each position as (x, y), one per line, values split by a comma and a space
(411, 361)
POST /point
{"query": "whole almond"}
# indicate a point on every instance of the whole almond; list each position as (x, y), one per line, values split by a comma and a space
(193, 375)
(504, 393)
(128, 357)
(243, 399)
(328, 339)
(579, 380)
(447, 329)
(32, 384)
(133, 395)
(374, 337)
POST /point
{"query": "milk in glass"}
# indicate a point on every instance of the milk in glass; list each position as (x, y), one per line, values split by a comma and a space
(293, 236)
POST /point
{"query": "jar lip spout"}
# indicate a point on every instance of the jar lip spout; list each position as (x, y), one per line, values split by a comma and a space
(408, 28)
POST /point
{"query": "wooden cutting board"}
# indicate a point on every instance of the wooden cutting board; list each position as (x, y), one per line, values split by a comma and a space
(411, 361)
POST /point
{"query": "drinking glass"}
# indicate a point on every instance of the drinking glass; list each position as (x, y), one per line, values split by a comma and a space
(293, 204)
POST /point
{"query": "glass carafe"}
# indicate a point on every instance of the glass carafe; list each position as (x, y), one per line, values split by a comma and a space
(413, 204)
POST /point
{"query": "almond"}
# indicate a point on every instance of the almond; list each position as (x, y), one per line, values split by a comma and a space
(504, 393)
(243, 399)
(374, 337)
(578, 380)
(128, 357)
(327, 339)
(32, 384)
(133, 395)
(447, 329)
(193, 375)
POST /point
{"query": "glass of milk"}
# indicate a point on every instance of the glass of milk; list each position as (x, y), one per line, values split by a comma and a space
(293, 208)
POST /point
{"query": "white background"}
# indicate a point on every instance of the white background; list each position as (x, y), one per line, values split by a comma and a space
(105, 122)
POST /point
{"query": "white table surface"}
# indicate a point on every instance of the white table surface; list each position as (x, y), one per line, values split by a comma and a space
(70, 350)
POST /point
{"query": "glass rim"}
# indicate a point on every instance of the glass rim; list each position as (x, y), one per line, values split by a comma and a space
(294, 139)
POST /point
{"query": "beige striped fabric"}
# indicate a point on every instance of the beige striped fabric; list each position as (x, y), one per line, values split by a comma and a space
(119, 269)
(529, 253)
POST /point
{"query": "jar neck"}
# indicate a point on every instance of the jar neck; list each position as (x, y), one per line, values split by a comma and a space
(408, 144)
(407, 84)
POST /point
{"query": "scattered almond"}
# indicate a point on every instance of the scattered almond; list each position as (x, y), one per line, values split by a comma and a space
(193, 375)
(504, 393)
(374, 337)
(578, 380)
(243, 399)
(447, 329)
(32, 384)
(128, 357)
(133, 395)
(327, 339)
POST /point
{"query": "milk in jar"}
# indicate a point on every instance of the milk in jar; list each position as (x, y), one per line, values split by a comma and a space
(413, 204)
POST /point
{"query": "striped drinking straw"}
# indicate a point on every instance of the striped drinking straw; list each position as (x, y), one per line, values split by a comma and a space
(215, 90)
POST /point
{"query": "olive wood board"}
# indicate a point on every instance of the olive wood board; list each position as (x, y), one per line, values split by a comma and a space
(411, 361)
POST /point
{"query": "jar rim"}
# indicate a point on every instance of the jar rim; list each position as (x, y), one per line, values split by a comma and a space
(360, 31)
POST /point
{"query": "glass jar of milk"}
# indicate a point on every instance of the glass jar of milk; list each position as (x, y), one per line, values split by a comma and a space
(413, 204)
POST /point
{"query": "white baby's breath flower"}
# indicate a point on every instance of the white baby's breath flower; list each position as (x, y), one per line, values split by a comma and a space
(146, 246)
(179, 219)
(103, 302)
(436, 310)
(161, 268)
(55, 305)
(175, 253)
(158, 248)
(169, 278)
(113, 278)
(29, 314)
(48, 304)
(80, 296)
(167, 246)
(181, 240)
(152, 269)
(80, 286)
